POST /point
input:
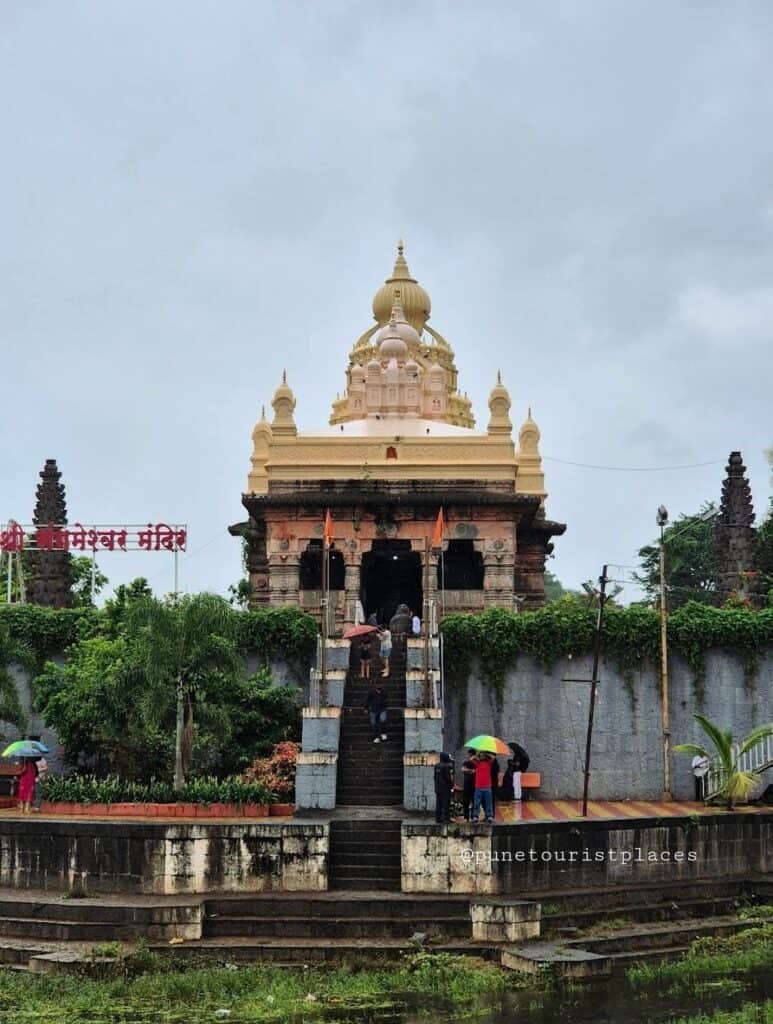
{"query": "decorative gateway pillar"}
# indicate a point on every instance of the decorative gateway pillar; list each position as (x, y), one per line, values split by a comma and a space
(284, 573)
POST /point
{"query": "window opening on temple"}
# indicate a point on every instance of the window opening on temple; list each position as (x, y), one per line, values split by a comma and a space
(311, 568)
(461, 567)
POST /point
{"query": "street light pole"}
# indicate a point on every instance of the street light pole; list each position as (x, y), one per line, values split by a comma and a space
(662, 519)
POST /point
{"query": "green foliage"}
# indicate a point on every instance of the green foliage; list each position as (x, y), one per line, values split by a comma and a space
(11, 650)
(113, 789)
(630, 637)
(269, 632)
(114, 717)
(690, 561)
(714, 957)
(80, 574)
(45, 632)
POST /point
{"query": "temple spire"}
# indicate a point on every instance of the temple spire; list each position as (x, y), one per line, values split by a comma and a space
(736, 537)
(50, 581)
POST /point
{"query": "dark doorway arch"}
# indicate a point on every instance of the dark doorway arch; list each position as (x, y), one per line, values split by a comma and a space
(390, 576)
(311, 568)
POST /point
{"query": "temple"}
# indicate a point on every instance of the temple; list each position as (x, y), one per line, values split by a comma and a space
(400, 445)
(50, 579)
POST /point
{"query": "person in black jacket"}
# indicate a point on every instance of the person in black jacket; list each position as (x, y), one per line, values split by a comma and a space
(376, 705)
(468, 784)
(494, 782)
(444, 784)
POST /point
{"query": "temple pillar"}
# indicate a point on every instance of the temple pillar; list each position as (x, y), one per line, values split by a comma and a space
(498, 568)
(352, 582)
(285, 577)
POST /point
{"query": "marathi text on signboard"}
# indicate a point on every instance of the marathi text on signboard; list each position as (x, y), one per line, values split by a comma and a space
(77, 537)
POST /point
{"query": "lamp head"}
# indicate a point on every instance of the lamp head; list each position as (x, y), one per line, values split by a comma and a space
(662, 516)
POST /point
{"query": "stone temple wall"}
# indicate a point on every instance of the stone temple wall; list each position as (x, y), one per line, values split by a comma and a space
(549, 718)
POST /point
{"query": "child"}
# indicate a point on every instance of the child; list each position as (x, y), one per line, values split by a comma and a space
(365, 655)
(386, 649)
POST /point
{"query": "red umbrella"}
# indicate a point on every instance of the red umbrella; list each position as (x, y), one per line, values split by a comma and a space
(359, 631)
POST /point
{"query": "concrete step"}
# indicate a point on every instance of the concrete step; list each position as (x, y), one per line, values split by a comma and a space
(680, 933)
(95, 910)
(78, 931)
(17, 955)
(313, 951)
(316, 906)
(343, 927)
(661, 911)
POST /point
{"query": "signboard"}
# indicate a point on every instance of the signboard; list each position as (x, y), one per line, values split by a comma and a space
(17, 537)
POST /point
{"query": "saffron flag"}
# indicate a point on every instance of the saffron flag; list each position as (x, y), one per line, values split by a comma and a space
(328, 534)
(437, 536)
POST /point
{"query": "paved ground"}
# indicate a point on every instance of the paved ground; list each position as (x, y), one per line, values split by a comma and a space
(506, 813)
(567, 810)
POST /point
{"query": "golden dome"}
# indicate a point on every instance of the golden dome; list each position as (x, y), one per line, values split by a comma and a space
(414, 300)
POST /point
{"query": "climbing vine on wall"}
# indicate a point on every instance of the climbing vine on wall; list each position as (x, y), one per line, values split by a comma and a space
(630, 638)
(46, 632)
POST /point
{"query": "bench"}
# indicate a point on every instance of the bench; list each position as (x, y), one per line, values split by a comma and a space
(9, 778)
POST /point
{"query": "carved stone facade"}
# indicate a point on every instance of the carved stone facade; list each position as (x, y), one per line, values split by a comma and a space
(49, 580)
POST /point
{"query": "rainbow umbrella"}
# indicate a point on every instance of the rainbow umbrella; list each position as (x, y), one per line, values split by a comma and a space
(25, 748)
(488, 744)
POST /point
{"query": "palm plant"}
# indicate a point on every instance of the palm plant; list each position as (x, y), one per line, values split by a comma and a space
(184, 648)
(737, 785)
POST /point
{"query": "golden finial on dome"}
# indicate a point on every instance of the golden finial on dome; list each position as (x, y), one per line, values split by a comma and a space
(529, 436)
(499, 406)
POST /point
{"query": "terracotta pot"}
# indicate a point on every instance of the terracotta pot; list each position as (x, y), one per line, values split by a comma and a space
(187, 810)
(221, 810)
(281, 810)
(256, 810)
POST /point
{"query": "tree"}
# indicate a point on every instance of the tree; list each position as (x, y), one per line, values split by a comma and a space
(80, 576)
(690, 562)
(98, 704)
(185, 648)
(11, 650)
(736, 785)
(553, 587)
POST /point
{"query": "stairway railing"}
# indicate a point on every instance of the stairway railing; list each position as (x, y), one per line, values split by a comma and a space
(755, 760)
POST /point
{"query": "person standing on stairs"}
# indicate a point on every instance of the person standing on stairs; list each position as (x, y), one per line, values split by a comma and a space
(376, 705)
(365, 656)
(386, 649)
(444, 784)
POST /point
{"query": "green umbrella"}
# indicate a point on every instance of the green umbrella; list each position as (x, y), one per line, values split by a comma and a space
(488, 744)
(25, 748)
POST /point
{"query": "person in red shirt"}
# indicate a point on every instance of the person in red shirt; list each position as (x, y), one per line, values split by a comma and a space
(482, 788)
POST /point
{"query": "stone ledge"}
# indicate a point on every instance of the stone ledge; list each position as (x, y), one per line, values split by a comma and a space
(322, 712)
(316, 757)
(421, 760)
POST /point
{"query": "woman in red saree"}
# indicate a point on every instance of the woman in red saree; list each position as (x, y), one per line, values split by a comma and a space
(27, 785)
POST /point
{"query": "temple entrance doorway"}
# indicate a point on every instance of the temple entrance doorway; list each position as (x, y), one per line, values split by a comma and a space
(391, 575)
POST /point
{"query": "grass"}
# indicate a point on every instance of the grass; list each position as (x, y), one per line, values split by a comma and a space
(253, 994)
(708, 959)
(749, 1013)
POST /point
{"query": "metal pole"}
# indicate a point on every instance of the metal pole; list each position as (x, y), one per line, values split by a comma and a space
(9, 593)
(426, 622)
(324, 624)
(176, 572)
(594, 687)
(664, 699)
(93, 575)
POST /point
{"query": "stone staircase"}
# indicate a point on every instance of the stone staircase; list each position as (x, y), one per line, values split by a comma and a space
(365, 854)
(371, 774)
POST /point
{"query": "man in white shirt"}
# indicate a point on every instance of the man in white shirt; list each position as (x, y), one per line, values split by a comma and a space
(415, 624)
(700, 768)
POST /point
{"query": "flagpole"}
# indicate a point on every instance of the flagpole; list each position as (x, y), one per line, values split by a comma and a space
(324, 603)
(427, 611)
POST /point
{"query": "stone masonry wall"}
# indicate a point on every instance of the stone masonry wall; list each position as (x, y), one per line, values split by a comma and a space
(134, 857)
(548, 716)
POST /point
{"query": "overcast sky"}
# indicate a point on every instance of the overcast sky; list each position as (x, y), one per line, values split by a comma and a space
(194, 195)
